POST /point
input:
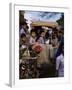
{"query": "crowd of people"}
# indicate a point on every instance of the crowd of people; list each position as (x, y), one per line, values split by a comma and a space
(35, 41)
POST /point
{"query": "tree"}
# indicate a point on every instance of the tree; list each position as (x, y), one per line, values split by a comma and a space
(61, 21)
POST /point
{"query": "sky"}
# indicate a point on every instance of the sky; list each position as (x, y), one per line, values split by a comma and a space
(36, 16)
(41, 16)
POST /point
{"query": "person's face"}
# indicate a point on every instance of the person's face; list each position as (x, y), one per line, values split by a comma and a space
(24, 39)
(33, 34)
(42, 34)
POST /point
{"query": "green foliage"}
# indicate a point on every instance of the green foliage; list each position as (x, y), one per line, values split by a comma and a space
(61, 20)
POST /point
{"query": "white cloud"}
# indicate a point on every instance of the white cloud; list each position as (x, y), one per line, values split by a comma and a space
(32, 15)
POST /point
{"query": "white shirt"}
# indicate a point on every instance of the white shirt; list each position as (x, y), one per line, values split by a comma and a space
(32, 40)
(22, 31)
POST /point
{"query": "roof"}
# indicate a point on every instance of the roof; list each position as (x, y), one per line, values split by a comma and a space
(41, 23)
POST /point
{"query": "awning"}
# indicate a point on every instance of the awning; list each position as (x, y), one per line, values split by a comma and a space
(47, 24)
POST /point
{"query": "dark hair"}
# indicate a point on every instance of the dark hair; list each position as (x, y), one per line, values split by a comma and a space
(39, 35)
(23, 23)
(32, 31)
(23, 35)
(41, 32)
(60, 31)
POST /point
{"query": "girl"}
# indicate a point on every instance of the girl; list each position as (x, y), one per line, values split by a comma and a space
(43, 57)
(32, 38)
(41, 38)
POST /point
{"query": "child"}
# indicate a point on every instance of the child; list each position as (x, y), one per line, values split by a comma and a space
(23, 39)
(32, 38)
(22, 45)
(42, 55)
(41, 38)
